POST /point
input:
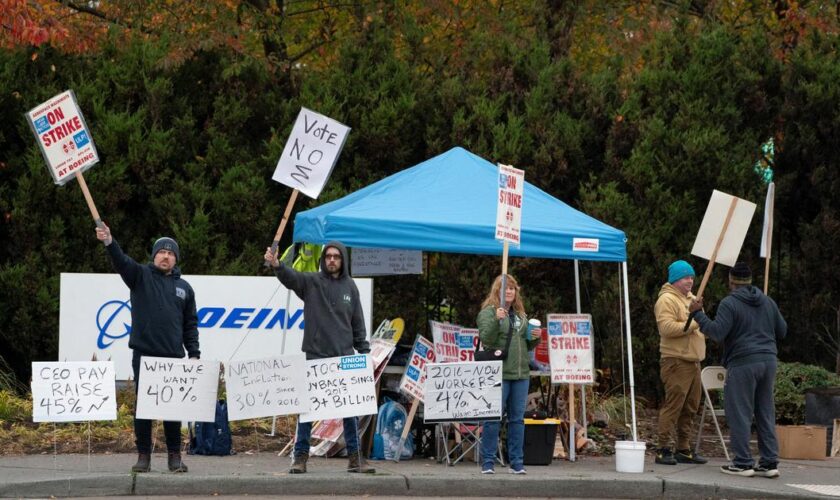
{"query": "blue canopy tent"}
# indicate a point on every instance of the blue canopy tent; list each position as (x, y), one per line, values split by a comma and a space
(448, 204)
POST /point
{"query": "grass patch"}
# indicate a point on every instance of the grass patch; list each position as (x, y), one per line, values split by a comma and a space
(20, 435)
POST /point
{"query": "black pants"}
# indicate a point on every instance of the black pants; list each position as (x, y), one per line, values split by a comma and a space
(143, 428)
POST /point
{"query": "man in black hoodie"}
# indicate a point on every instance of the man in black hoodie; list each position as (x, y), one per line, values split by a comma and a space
(333, 326)
(749, 324)
(163, 324)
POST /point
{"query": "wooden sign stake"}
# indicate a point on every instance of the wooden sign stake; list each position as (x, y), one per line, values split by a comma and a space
(406, 428)
(275, 245)
(89, 199)
(711, 263)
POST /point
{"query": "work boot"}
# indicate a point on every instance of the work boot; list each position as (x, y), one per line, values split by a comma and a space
(359, 464)
(144, 463)
(664, 456)
(689, 457)
(175, 463)
(299, 464)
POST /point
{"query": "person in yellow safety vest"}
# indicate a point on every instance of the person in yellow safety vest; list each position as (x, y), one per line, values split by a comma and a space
(303, 257)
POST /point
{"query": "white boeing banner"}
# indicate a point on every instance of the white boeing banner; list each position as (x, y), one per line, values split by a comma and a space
(95, 318)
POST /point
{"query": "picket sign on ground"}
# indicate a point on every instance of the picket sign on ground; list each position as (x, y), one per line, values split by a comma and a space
(266, 387)
(570, 348)
(465, 392)
(413, 381)
(340, 387)
(73, 391)
(445, 337)
(177, 389)
(467, 342)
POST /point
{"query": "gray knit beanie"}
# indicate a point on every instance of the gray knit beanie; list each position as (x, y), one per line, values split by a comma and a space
(166, 243)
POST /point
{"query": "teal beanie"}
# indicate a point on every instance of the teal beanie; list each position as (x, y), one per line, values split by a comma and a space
(679, 270)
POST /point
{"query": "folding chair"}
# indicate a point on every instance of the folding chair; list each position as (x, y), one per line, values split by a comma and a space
(467, 439)
(712, 378)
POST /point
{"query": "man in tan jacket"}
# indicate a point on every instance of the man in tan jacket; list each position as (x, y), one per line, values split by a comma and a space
(680, 355)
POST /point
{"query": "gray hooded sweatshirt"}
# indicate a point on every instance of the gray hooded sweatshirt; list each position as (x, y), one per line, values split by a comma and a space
(748, 323)
(332, 312)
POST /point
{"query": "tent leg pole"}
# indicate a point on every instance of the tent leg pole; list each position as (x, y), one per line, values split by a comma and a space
(629, 349)
(582, 387)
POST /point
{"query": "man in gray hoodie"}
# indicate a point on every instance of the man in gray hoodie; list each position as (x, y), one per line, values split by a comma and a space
(333, 326)
(749, 324)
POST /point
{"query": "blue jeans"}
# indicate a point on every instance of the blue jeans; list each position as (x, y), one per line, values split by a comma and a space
(351, 436)
(748, 393)
(514, 397)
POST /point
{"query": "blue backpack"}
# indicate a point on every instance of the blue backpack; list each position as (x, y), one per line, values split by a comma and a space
(212, 438)
(390, 423)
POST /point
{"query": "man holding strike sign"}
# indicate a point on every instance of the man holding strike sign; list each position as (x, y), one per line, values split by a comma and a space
(163, 323)
(334, 327)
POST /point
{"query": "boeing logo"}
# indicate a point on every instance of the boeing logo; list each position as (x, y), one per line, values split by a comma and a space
(208, 317)
(109, 311)
(247, 317)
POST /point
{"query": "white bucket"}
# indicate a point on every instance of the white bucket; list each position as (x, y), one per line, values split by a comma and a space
(630, 456)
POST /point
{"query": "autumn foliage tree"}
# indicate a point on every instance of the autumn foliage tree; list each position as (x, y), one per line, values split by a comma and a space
(630, 111)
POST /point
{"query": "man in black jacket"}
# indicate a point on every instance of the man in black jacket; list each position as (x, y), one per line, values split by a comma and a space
(749, 324)
(163, 324)
(334, 326)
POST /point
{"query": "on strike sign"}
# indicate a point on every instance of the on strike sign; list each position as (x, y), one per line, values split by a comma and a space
(570, 348)
(509, 210)
(310, 153)
(414, 378)
(63, 136)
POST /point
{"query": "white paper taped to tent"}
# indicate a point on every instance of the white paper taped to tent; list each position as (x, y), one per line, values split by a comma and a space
(712, 225)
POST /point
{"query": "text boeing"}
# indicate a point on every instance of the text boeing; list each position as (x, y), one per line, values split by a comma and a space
(248, 317)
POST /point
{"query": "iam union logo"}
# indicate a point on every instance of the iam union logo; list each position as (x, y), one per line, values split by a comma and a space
(110, 327)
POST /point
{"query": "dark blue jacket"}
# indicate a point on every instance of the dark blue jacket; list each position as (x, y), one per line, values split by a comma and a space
(748, 323)
(163, 316)
(332, 311)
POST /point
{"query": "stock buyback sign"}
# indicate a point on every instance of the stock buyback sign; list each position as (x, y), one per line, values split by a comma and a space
(237, 314)
(63, 136)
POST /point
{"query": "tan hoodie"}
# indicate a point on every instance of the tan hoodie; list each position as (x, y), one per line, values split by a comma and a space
(671, 312)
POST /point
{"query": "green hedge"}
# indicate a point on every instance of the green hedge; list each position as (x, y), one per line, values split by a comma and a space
(792, 382)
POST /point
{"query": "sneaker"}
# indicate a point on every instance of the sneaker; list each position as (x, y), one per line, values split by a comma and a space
(665, 457)
(689, 457)
(762, 471)
(518, 469)
(487, 469)
(737, 471)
